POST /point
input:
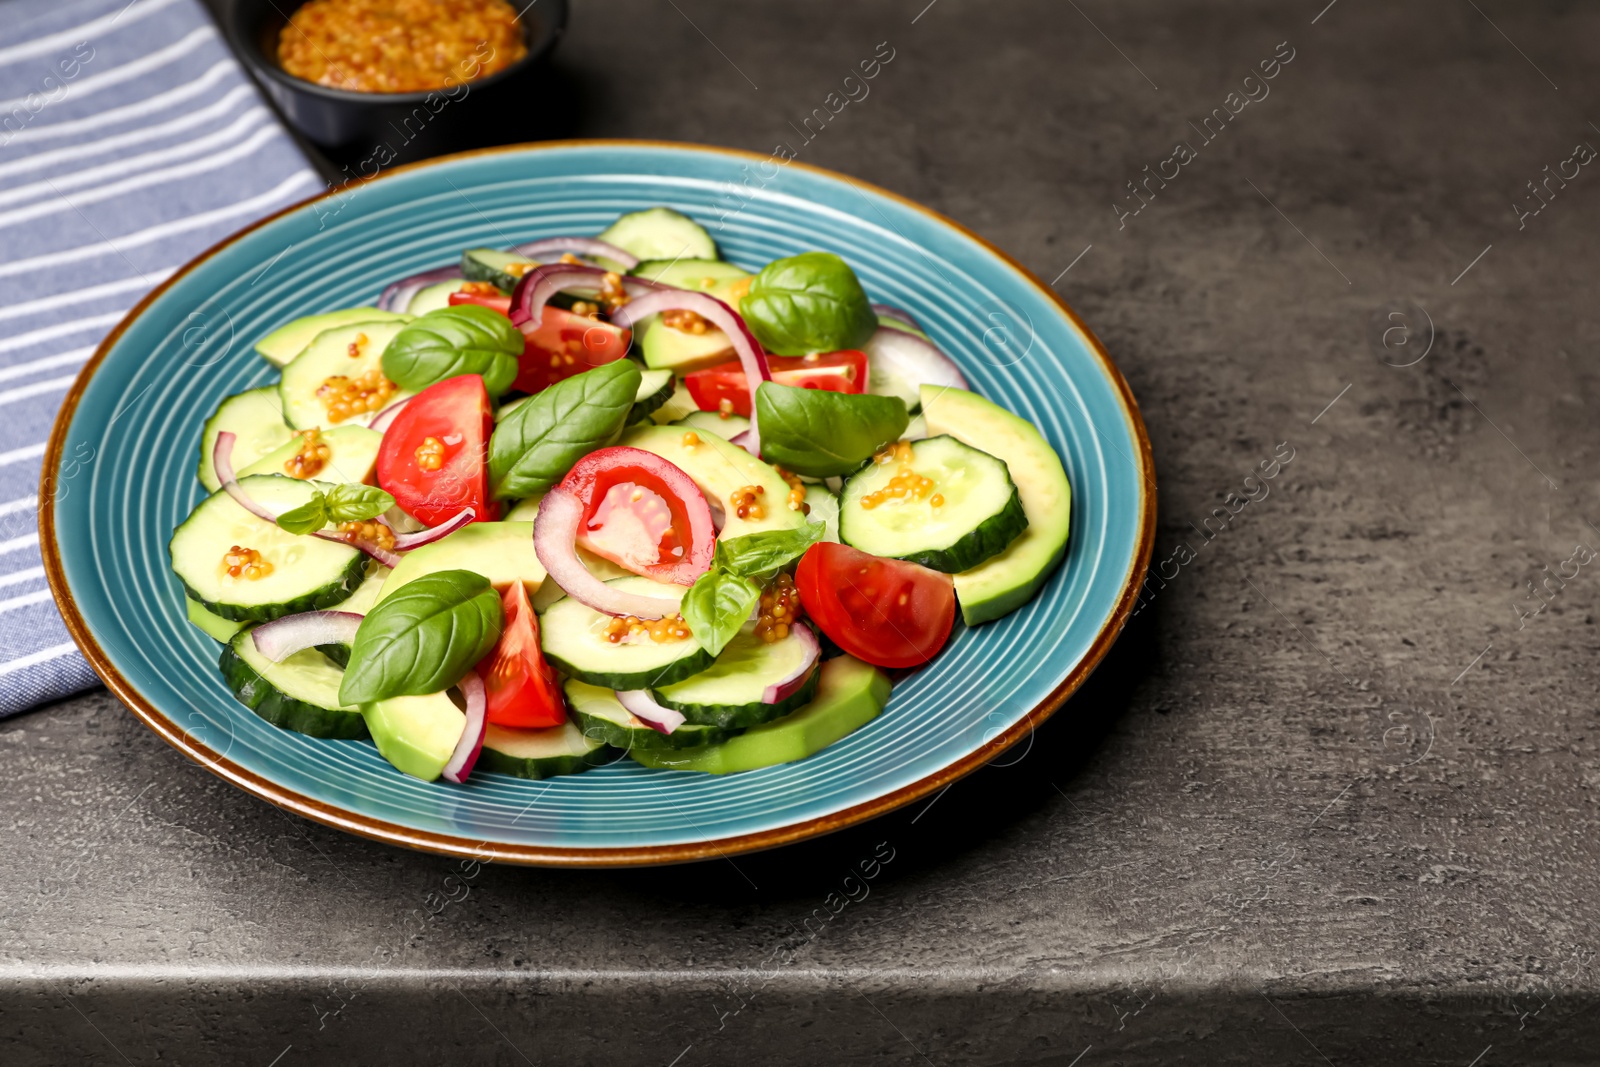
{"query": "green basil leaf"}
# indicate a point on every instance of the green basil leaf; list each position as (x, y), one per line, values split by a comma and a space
(761, 555)
(808, 303)
(308, 517)
(716, 606)
(424, 638)
(540, 441)
(352, 502)
(451, 341)
(820, 433)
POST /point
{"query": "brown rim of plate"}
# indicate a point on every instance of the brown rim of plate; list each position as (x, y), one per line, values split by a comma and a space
(450, 845)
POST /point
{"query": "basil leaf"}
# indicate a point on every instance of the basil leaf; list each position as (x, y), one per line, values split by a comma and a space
(808, 303)
(308, 517)
(716, 606)
(353, 502)
(540, 441)
(761, 555)
(466, 339)
(424, 638)
(821, 433)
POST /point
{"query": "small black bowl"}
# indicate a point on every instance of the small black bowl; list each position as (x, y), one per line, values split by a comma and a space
(410, 125)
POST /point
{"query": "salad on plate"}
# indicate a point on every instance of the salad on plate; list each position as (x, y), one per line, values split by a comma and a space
(596, 497)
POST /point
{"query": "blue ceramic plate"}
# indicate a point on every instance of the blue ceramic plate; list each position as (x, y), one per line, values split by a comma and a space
(130, 428)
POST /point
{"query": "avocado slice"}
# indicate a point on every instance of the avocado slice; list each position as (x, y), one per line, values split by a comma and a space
(417, 734)
(849, 696)
(289, 340)
(664, 347)
(500, 551)
(353, 455)
(1003, 583)
(212, 625)
(719, 468)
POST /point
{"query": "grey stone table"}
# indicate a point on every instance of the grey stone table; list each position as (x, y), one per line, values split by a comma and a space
(1332, 799)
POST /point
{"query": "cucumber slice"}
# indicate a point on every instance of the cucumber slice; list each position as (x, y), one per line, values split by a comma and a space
(655, 389)
(500, 269)
(432, 297)
(281, 345)
(728, 693)
(307, 573)
(979, 511)
(299, 694)
(824, 506)
(849, 695)
(352, 455)
(573, 638)
(720, 469)
(255, 417)
(541, 753)
(329, 355)
(661, 233)
(701, 275)
(358, 603)
(679, 405)
(601, 716)
(917, 428)
(726, 427)
(1010, 579)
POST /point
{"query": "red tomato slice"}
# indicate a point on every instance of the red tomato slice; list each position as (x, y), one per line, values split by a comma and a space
(566, 344)
(522, 688)
(844, 371)
(453, 419)
(886, 611)
(493, 301)
(643, 513)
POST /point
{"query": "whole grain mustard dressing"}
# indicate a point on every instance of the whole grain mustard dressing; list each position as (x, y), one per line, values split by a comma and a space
(400, 46)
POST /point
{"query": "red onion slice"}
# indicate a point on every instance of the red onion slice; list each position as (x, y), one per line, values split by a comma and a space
(471, 743)
(222, 463)
(555, 542)
(642, 706)
(397, 297)
(404, 542)
(537, 286)
(380, 422)
(787, 687)
(889, 311)
(583, 246)
(282, 638)
(724, 318)
(913, 358)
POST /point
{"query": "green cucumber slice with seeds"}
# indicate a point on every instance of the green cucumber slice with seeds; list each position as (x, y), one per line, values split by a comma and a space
(299, 694)
(655, 389)
(490, 265)
(661, 233)
(602, 716)
(824, 505)
(679, 405)
(726, 427)
(329, 355)
(979, 513)
(352, 455)
(286, 342)
(572, 636)
(255, 418)
(307, 572)
(728, 693)
(541, 753)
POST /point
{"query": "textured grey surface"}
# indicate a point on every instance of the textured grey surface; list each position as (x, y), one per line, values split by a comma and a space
(1329, 801)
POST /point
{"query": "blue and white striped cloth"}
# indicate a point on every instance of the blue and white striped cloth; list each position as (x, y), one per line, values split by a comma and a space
(130, 140)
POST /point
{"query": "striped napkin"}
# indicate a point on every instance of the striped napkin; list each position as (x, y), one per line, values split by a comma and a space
(130, 140)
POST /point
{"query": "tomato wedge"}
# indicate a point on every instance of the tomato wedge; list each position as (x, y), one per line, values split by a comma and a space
(844, 371)
(643, 513)
(522, 688)
(434, 456)
(494, 300)
(885, 611)
(566, 344)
